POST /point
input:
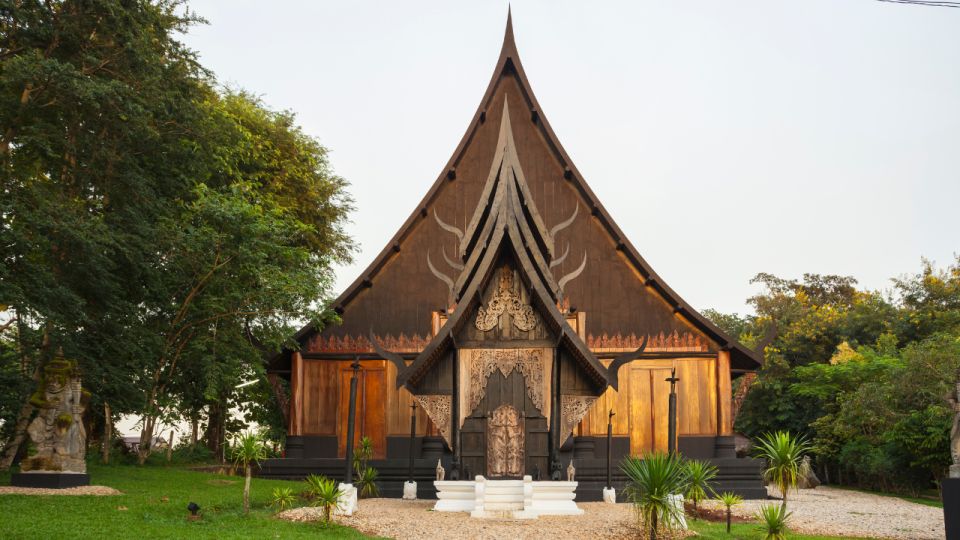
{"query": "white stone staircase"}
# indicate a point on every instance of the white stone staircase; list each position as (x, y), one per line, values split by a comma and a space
(507, 499)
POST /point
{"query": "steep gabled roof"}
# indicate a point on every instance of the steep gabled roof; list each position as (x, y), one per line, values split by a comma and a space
(508, 65)
(505, 220)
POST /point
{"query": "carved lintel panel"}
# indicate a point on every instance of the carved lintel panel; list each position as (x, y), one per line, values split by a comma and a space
(572, 410)
(506, 299)
(437, 407)
(527, 361)
(505, 442)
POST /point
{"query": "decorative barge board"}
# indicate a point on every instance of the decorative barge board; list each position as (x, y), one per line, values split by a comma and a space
(514, 312)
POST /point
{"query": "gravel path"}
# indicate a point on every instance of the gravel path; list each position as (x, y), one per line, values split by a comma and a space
(823, 510)
(82, 490)
(414, 520)
(843, 512)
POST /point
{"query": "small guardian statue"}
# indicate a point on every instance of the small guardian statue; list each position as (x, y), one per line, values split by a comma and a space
(440, 471)
(571, 472)
(555, 471)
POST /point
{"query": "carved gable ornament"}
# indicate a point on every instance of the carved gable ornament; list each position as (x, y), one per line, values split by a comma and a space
(572, 411)
(506, 299)
(438, 407)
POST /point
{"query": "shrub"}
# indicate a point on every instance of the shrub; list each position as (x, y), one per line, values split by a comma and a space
(248, 448)
(699, 476)
(282, 498)
(325, 493)
(729, 500)
(783, 453)
(774, 519)
(652, 481)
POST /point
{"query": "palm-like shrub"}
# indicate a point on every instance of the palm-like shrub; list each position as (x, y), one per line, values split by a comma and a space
(282, 498)
(367, 483)
(729, 500)
(324, 493)
(248, 449)
(699, 476)
(773, 518)
(652, 481)
(784, 453)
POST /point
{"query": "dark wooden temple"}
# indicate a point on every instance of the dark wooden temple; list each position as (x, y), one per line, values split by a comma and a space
(516, 314)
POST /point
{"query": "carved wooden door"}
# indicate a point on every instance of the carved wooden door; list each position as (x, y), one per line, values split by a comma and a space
(505, 443)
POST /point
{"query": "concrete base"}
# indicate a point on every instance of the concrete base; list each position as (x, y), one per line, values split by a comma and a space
(49, 480)
(515, 499)
(348, 501)
(409, 491)
(954, 471)
(610, 495)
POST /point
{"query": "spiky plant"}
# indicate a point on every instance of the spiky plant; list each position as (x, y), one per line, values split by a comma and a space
(367, 483)
(652, 480)
(699, 476)
(729, 500)
(773, 519)
(362, 454)
(326, 494)
(282, 498)
(248, 448)
(784, 453)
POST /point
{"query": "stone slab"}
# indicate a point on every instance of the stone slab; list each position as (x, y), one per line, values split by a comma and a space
(49, 480)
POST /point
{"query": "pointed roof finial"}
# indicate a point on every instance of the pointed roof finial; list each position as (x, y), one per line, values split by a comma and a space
(508, 43)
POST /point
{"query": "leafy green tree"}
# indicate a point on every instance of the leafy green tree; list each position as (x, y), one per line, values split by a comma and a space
(248, 450)
(783, 453)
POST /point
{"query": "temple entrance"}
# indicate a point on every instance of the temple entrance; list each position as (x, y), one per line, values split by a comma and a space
(505, 443)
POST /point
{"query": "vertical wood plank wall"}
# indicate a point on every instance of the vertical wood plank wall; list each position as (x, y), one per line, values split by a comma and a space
(641, 405)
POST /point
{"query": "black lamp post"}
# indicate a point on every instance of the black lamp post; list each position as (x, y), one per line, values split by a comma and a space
(351, 421)
(413, 434)
(672, 429)
(609, 447)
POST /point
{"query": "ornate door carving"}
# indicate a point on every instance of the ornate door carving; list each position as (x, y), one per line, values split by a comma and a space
(505, 441)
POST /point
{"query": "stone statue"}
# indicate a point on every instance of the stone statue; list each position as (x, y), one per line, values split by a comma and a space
(807, 479)
(555, 471)
(571, 471)
(57, 431)
(954, 400)
(440, 471)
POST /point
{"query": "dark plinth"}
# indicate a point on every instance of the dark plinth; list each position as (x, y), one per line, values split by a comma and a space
(950, 487)
(49, 480)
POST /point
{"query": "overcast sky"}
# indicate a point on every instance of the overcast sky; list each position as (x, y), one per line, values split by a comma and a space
(726, 138)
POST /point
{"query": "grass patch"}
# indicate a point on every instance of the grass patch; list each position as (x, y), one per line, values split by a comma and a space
(146, 515)
(933, 499)
(744, 531)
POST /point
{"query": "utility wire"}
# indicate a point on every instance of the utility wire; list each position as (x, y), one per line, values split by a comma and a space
(932, 3)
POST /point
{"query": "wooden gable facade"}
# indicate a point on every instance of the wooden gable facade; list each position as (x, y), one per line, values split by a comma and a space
(510, 300)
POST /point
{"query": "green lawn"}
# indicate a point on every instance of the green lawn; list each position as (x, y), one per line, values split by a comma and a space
(743, 531)
(220, 499)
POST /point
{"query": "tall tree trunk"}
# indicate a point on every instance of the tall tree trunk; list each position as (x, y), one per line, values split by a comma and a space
(170, 447)
(246, 490)
(107, 433)
(146, 439)
(19, 435)
(194, 429)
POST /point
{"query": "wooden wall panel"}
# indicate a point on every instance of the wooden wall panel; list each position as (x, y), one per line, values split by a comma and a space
(398, 408)
(320, 397)
(371, 411)
(641, 415)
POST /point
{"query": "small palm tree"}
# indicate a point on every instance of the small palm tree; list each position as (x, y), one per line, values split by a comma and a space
(282, 498)
(774, 519)
(699, 476)
(784, 453)
(362, 454)
(729, 500)
(367, 483)
(325, 493)
(248, 448)
(652, 481)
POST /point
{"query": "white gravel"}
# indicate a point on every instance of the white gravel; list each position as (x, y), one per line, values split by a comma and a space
(81, 490)
(843, 512)
(824, 510)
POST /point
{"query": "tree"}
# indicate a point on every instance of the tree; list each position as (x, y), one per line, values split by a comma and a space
(653, 481)
(784, 453)
(248, 449)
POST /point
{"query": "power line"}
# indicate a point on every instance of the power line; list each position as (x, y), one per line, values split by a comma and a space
(933, 3)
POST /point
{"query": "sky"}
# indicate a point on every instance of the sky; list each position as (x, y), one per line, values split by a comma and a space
(725, 138)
